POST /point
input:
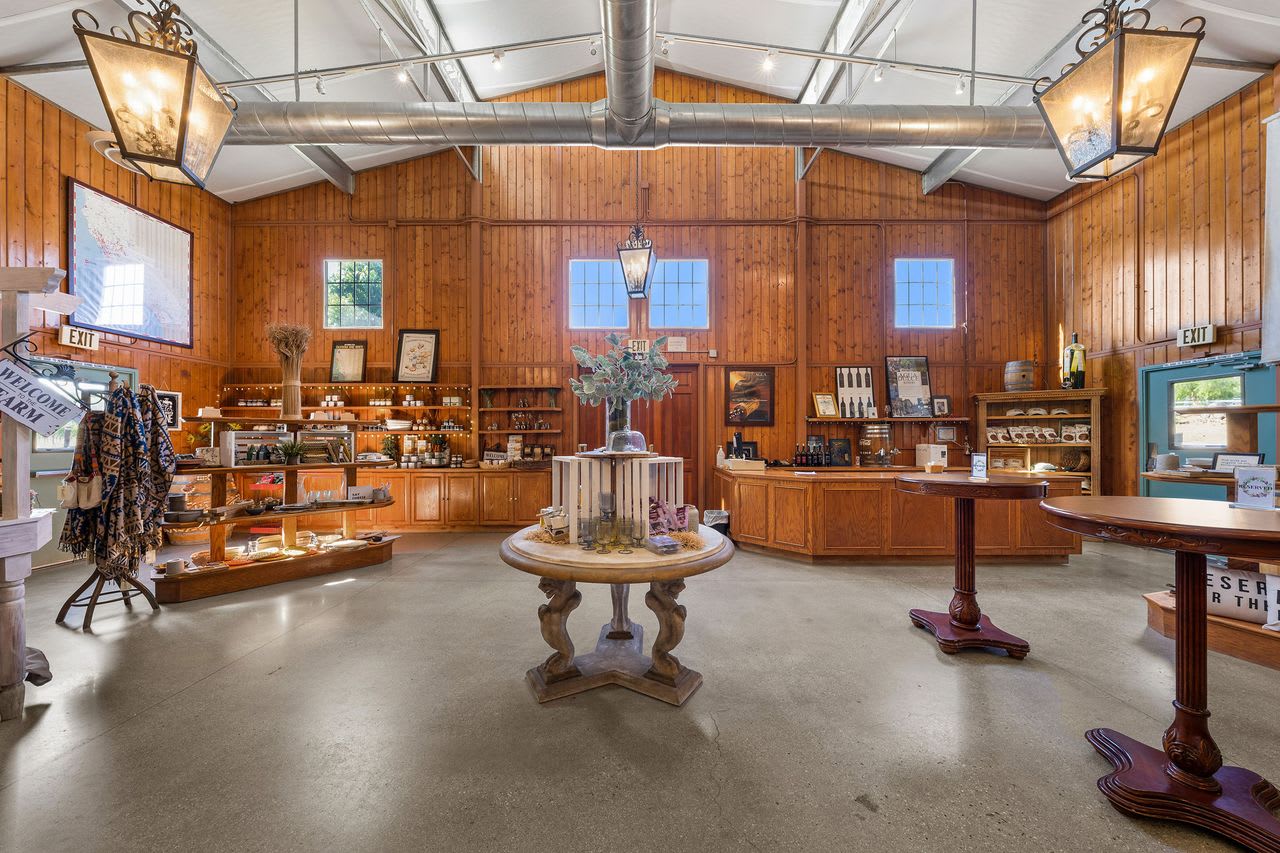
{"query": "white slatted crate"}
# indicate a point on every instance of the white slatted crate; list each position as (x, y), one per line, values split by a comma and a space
(578, 481)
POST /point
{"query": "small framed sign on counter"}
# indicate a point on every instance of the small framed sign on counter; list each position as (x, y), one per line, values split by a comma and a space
(1255, 487)
(978, 466)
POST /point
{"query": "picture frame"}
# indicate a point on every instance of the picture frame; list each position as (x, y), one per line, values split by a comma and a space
(941, 405)
(347, 361)
(855, 391)
(750, 449)
(977, 466)
(417, 355)
(815, 440)
(945, 433)
(841, 452)
(749, 396)
(907, 378)
(171, 408)
(114, 246)
(1229, 462)
(824, 406)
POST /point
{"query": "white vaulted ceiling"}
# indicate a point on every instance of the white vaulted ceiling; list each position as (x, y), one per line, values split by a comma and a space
(1014, 37)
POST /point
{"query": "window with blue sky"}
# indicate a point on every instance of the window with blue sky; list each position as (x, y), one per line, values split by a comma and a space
(924, 293)
(678, 297)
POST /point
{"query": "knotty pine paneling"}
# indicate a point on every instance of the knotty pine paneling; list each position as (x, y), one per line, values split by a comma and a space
(1175, 242)
(42, 146)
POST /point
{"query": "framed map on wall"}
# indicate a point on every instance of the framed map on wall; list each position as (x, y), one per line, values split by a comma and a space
(131, 270)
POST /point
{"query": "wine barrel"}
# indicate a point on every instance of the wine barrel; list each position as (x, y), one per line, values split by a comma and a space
(1019, 376)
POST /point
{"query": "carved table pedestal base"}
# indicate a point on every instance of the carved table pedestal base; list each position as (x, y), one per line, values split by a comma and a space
(953, 638)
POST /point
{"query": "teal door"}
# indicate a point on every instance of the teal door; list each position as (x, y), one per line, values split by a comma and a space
(51, 457)
(1223, 381)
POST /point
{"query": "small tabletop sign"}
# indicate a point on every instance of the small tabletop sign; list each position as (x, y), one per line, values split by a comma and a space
(1255, 487)
(978, 466)
(29, 401)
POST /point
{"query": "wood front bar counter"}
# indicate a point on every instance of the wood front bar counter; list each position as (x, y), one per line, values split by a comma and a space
(855, 513)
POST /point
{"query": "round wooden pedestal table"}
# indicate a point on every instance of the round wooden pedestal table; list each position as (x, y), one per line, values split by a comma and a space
(1185, 781)
(618, 657)
(964, 626)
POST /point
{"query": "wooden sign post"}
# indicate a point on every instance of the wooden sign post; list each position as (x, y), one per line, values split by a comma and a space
(22, 290)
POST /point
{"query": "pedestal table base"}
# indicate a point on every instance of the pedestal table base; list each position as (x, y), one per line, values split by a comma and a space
(619, 662)
(953, 638)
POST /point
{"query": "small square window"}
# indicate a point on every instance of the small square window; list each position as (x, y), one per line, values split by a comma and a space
(353, 294)
(924, 293)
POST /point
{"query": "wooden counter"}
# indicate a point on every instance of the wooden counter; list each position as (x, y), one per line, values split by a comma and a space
(856, 513)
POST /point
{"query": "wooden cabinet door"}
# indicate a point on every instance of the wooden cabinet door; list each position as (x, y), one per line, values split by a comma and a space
(1034, 532)
(749, 518)
(428, 498)
(461, 503)
(850, 518)
(396, 515)
(495, 498)
(993, 527)
(789, 515)
(533, 492)
(921, 524)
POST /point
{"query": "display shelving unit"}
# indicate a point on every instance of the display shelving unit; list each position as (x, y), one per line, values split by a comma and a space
(499, 404)
(1084, 405)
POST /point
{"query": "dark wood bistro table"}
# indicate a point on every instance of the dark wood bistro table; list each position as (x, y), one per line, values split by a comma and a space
(617, 658)
(1186, 781)
(964, 626)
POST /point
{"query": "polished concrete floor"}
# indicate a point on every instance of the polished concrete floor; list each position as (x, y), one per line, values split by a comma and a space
(386, 710)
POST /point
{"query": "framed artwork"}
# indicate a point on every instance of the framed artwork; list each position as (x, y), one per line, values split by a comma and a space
(749, 396)
(824, 406)
(855, 397)
(171, 407)
(131, 270)
(908, 379)
(750, 449)
(941, 406)
(1229, 462)
(417, 355)
(347, 362)
(841, 452)
(945, 433)
(815, 440)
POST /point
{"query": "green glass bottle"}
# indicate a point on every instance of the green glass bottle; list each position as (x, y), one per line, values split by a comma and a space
(1073, 363)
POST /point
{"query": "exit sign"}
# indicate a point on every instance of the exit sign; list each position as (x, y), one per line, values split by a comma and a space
(639, 345)
(74, 336)
(1197, 336)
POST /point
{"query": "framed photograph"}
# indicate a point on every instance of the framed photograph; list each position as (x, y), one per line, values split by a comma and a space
(941, 406)
(748, 394)
(131, 270)
(1229, 462)
(841, 452)
(348, 361)
(171, 406)
(945, 433)
(417, 355)
(824, 406)
(908, 379)
(855, 397)
(815, 440)
(750, 449)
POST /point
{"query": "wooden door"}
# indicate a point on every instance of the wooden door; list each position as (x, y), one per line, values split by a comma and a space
(670, 425)
(533, 492)
(495, 498)
(749, 518)
(461, 505)
(850, 518)
(428, 498)
(789, 516)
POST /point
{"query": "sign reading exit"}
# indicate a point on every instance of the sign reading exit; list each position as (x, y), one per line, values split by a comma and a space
(1197, 336)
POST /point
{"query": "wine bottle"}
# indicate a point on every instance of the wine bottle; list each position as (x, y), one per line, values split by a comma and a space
(858, 378)
(839, 378)
(842, 409)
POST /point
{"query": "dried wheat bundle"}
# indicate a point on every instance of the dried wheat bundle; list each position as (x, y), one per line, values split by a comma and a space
(688, 540)
(290, 343)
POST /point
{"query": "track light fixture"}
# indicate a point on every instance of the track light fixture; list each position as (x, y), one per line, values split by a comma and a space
(878, 74)
(962, 84)
(770, 60)
(496, 61)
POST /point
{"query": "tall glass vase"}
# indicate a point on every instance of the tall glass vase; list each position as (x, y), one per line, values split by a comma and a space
(619, 436)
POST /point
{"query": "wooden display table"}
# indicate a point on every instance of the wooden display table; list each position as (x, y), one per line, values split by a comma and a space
(964, 625)
(617, 658)
(1186, 781)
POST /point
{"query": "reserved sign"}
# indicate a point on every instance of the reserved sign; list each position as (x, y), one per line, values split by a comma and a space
(29, 401)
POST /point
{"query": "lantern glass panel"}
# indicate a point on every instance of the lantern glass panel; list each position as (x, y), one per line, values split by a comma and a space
(637, 270)
(1112, 166)
(208, 121)
(1078, 108)
(159, 172)
(1154, 66)
(143, 89)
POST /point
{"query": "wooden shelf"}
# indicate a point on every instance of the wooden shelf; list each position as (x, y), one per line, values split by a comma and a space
(523, 409)
(1243, 640)
(520, 432)
(947, 420)
(1046, 394)
(520, 387)
(414, 431)
(251, 421)
(990, 408)
(271, 515)
(363, 406)
(1041, 444)
(1072, 417)
(270, 467)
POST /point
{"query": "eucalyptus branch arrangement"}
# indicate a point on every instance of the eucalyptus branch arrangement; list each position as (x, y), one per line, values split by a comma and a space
(620, 374)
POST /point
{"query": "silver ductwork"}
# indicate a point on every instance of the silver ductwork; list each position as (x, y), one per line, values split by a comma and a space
(629, 28)
(773, 125)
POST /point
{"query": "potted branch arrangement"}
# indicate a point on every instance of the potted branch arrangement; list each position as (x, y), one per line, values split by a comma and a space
(619, 376)
(290, 343)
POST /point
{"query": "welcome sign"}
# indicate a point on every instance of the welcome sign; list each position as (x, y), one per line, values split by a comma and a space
(29, 401)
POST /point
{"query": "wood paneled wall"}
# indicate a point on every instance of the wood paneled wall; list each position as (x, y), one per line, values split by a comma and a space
(40, 147)
(1175, 242)
(801, 275)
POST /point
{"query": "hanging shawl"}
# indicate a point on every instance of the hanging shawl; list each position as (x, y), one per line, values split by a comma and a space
(137, 463)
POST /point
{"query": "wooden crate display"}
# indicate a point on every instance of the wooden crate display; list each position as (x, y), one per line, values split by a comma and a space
(578, 481)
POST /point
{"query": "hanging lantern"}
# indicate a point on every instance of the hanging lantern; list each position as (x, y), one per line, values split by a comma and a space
(168, 118)
(1108, 111)
(638, 262)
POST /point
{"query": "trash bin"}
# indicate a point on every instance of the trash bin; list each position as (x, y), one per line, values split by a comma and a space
(717, 519)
